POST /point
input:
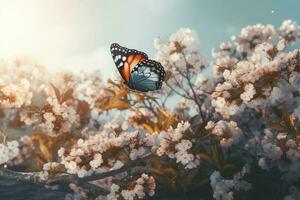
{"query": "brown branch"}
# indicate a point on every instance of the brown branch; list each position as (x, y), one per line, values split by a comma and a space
(66, 179)
(178, 93)
(167, 97)
(191, 87)
(20, 176)
(150, 108)
(96, 190)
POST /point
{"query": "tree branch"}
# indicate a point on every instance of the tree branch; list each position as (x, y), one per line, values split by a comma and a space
(66, 179)
(20, 176)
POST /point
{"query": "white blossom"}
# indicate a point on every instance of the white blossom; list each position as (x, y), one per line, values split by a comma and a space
(8, 151)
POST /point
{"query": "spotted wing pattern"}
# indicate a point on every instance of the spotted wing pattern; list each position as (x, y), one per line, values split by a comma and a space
(148, 75)
(126, 59)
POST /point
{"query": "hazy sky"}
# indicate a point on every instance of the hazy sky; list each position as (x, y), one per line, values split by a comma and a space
(76, 34)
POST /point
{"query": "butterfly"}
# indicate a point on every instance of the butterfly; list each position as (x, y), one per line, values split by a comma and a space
(139, 72)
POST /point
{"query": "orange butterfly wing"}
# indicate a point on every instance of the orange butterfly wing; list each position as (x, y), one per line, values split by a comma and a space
(131, 61)
(125, 59)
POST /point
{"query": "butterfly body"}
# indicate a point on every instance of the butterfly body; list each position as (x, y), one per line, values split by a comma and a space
(139, 72)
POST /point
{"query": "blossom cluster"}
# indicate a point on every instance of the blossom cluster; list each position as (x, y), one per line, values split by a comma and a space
(174, 144)
(138, 189)
(289, 31)
(182, 60)
(223, 188)
(8, 151)
(50, 169)
(258, 88)
(228, 133)
(15, 95)
(139, 117)
(100, 152)
(180, 52)
(250, 81)
(25, 150)
(247, 114)
(58, 117)
(95, 94)
(276, 150)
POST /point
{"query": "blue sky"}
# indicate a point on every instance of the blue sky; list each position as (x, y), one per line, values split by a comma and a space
(76, 34)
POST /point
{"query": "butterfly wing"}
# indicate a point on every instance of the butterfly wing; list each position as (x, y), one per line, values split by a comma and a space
(148, 75)
(126, 59)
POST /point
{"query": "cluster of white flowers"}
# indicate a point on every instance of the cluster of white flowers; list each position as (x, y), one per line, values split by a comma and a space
(23, 90)
(181, 51)
(251, 82)
(14, 70)
(50, 166)
(58, 117)
(242, 46)
(29, 118)
(277, 150)
(43, 175)
(270, 150)
(291, 167)
(259, 87)
(8, 151)
(249, 92)
(97, 97)
(15, 95)
(173, 144)
(289, 31)
(227, 132)
(139, 189)
(181, 57)
(223, 188)
(49, 169)
(204, 85)
(138, 117)
(183, 156)
(25, 150)
(250, 36)
(93, 154)
(224, 57)
(117, 124)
